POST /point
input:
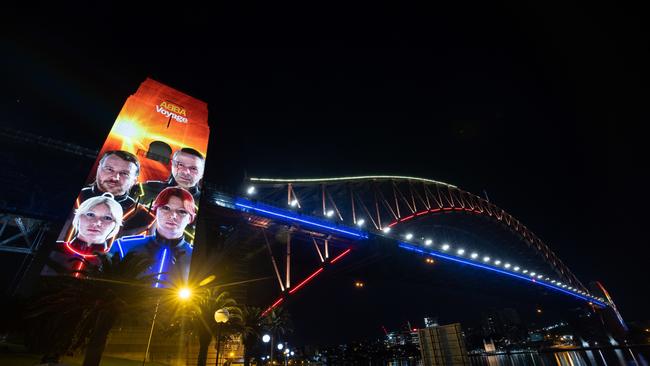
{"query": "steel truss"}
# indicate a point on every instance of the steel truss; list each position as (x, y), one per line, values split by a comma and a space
(21, 234)
(322, 248)
(384, 202)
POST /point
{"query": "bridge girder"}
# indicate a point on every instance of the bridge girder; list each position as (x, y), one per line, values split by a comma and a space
(382, 203)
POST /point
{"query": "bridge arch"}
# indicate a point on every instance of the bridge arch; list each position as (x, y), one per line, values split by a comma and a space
(384, 205)
(389, 201)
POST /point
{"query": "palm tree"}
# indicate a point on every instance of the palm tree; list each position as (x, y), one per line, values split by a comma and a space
(277, 322)
(93, 302)
(251, 328)
(199, 315)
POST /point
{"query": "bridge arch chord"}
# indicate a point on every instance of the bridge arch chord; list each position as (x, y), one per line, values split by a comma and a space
(326, 262)
(386, 202)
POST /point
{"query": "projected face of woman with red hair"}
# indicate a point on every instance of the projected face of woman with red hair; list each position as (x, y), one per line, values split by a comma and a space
(174, 209)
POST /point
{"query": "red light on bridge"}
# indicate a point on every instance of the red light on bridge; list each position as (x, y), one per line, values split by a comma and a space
(341, 255)
(276, 303)
(305, 281)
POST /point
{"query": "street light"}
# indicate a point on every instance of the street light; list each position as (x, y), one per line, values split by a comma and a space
(286, 356)
(266, 339)
(220, 316)
(184, 293)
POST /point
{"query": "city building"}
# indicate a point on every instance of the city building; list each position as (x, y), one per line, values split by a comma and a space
(430, 322)
(443, 345)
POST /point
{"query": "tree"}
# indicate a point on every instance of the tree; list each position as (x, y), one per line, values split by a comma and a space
(251, 328)
(83, 306)
(277, 322)
(199, 316)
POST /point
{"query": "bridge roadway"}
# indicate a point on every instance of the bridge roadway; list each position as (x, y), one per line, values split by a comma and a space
(359, 237)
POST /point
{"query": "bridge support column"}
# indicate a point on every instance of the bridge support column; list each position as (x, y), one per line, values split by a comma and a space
(275, 265)
(327, 249)
(288, 279)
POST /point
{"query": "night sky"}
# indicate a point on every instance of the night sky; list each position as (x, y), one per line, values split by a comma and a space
(539, 106)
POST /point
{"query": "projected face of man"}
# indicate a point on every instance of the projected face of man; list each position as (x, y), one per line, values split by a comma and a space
(187, 169)
(116, 175)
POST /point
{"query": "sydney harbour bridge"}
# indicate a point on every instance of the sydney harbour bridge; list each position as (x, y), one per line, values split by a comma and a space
(337, 216)
(307, 227)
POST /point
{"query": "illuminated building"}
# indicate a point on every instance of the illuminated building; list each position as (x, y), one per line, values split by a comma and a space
(443, 345)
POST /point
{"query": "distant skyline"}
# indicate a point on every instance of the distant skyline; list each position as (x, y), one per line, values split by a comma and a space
(537, 106)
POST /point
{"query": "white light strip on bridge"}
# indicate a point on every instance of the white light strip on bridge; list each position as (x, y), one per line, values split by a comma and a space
(499, 263)
(314, 180)
(586, 297)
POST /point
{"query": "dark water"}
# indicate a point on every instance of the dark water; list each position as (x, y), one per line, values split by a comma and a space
(615, 357)
(604, 357)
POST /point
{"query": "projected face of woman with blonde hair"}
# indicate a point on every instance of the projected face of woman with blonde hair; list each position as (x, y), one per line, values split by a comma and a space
(97, 219)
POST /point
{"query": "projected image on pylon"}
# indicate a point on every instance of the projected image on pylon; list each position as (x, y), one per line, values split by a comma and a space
(143, 190)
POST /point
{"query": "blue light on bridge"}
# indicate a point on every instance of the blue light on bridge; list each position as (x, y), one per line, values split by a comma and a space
(282, 214)
(246, 205)
(490, 268)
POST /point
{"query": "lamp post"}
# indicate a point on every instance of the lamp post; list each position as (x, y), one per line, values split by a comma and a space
(183, 294)
(153, 323)
(220, 316)
(266, 339)
(280, 347)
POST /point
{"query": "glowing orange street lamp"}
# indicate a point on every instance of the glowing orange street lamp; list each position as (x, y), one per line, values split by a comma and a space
(220, 316)
(184, 293)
